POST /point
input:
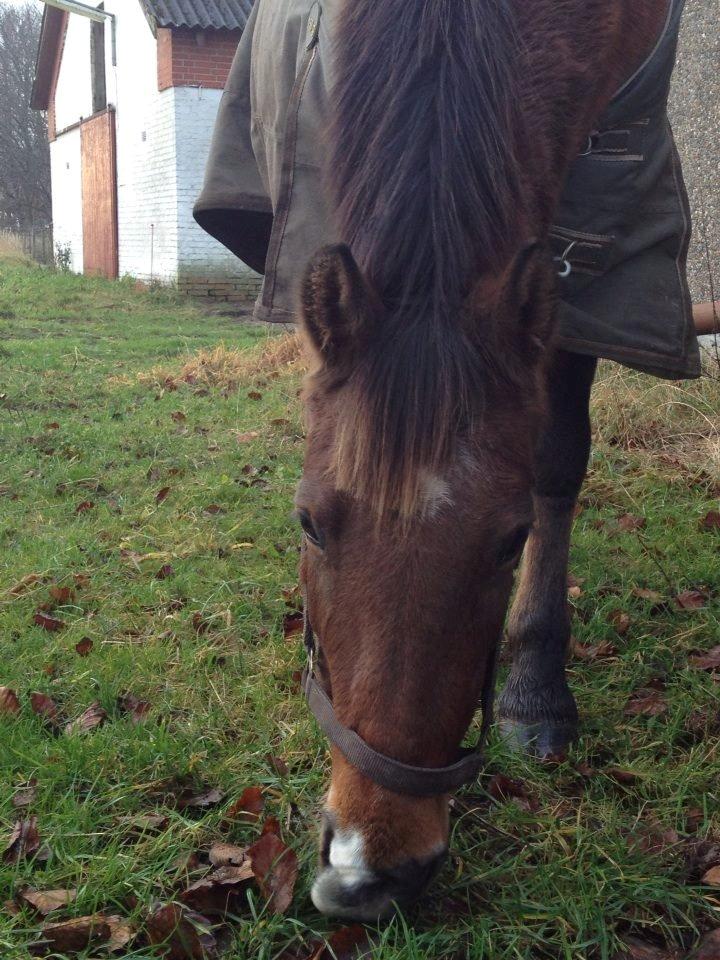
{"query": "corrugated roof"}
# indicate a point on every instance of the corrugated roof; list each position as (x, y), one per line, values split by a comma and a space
(220, 14)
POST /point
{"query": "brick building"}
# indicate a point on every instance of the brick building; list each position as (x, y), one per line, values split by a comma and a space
(131, 99)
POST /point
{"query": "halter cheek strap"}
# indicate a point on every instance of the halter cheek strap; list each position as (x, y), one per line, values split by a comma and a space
(387, 772)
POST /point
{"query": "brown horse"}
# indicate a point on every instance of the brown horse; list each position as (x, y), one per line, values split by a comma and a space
(445, 434)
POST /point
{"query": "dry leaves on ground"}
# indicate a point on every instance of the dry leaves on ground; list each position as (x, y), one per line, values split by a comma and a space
(275, 867)
(646, 702)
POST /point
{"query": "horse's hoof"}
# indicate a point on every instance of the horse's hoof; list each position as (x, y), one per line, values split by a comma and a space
(543, 739)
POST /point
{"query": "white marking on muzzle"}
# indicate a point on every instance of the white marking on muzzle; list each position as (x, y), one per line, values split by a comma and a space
(347, 870)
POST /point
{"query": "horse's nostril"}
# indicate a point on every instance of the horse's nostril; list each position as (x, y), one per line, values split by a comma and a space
(327, 832)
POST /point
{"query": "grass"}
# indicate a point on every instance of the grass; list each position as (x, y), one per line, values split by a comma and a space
(110, 395)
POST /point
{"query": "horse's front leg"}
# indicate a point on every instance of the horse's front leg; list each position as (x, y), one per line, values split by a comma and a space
(536, 708)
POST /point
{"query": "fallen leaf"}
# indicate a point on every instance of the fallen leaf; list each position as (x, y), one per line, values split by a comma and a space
(178, 416)
(620, 621)
(162, 494)
(226, 855)
(593, 652)
(711, 521)
(624, 777)
(45, 901)
(213, 509)
(82, 580)
(293, 624)
(83, 647)
(142, 823)
(646, 703)
(690, 600)
(653, 838)
(248, 807)
(62, 595)
(221, 892)
(24, 841)
(52, 426)
(121, 933)
(712, 877)
(652, 595)
(347, 943)
(88, 720)
(45, 707)
(709, 948)
(275, 868)
(9, 703)
(271, 825)
(26, 795)
(185, 934)
(637, 949)
(502, 788)
(199, 801)
(629, 521)
(278, 765)
(72, 936)
(84, 506)
(254, 395)
(710, 660)
(165, 571)
(27, 582)
(137, 709)
(47, 622)
(247, 437)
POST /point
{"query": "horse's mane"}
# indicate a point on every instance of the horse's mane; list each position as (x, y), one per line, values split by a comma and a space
(426, 184)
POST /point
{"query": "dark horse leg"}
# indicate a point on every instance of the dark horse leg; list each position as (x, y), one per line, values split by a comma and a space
(536, 708)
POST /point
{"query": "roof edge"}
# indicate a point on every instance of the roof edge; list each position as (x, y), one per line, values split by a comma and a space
(51, 34)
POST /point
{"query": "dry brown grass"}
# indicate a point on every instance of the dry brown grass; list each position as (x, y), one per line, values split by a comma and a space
(11, 248)
(228, 368)
(678, 420)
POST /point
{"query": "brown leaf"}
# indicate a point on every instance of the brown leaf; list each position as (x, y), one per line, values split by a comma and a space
(143, 823)
(278, 765)
(88, 720)
(620, 621)
(293, 624)
(9, 703)
(165, 571)
(712, 877)
(271, 825)
(221, 892)
(137, 709)
(646, 703)
(83, 647)
(502, 788)
(26, 795)
(52, 426)
(22, 586)
(598, 651)
(82, 580)
(162, 494)
(84, 506)
(275, 868)
(247, 437)
(226, 855)
(199, 801)
(653, 838)
(121, 933)
(254, 395)
(178, 416)
(62, 595)
(45, 901)
(248, 807)
(690, 600)
(644, 594)
(184, 933)
(624, 777)
(72, 936)
(710, 660)
(24, 841)
(347, 943)
(709, 948)
(637, 949)
(45, 707)
(213, 509)
(46, 622)
(710, 522)
(629, 522)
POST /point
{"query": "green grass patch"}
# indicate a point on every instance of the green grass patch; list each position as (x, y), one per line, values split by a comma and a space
(160, 496)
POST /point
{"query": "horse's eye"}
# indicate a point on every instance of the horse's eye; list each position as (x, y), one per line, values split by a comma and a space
(511, 549)
(309, 529)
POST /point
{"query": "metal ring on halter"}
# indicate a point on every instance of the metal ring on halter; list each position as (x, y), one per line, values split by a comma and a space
(566, 269)
(589, 147)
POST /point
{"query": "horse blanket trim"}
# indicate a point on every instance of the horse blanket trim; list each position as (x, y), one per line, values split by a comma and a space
(621, 230)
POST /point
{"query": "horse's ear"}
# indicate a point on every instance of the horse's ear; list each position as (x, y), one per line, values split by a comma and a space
(336, 305)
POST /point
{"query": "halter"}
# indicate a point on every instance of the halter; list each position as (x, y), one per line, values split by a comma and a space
(387, 772)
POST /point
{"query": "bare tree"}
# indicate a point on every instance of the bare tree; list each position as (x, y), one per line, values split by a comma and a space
(25, 201)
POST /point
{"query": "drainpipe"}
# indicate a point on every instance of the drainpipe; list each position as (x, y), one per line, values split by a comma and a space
(92, 13)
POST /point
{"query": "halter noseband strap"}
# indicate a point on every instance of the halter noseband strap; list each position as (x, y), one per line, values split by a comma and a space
(385, 771)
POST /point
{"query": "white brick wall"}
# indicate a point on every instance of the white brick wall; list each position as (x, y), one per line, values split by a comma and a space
(67, 196)
(162, 145)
